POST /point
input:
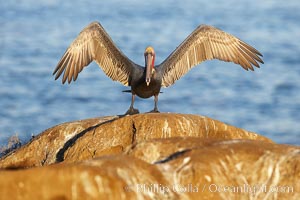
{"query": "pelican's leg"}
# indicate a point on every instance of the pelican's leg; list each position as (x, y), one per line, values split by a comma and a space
(132, 110)
(155, 110)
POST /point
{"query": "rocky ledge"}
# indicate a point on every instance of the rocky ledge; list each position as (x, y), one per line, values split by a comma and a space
(150, 156)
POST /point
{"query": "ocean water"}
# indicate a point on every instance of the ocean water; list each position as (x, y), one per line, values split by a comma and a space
(35, 34)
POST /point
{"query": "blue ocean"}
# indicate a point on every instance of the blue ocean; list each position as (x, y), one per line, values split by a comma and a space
(35, 34)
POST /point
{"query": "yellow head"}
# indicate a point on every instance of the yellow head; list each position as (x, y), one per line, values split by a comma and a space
(149, 49)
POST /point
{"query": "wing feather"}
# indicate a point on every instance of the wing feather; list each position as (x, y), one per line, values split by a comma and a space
(207, 43)
(94, 44)
(63, 64)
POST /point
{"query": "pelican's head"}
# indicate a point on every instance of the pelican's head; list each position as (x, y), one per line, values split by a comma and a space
(149, 63)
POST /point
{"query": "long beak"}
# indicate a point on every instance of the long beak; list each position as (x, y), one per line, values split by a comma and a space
(148, 68)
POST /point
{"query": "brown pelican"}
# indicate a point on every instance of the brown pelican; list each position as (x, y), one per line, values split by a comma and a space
(204, 43)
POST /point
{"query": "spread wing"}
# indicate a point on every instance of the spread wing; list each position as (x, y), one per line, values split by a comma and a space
(94, 44)
(206, 43)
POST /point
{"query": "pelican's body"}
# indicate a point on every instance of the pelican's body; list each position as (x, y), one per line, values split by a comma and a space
(140, 88)
(139, 85)
(205, 43)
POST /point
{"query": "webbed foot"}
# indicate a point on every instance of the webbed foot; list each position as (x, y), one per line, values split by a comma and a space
(132, 111)
(154, 111)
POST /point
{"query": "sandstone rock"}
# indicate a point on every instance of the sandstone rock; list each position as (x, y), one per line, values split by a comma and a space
(228, 169)
(150, 156)
(114, 177)
(156, 150)
(233, 169)
(214, 169)
(91, 138)
(43, 148)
